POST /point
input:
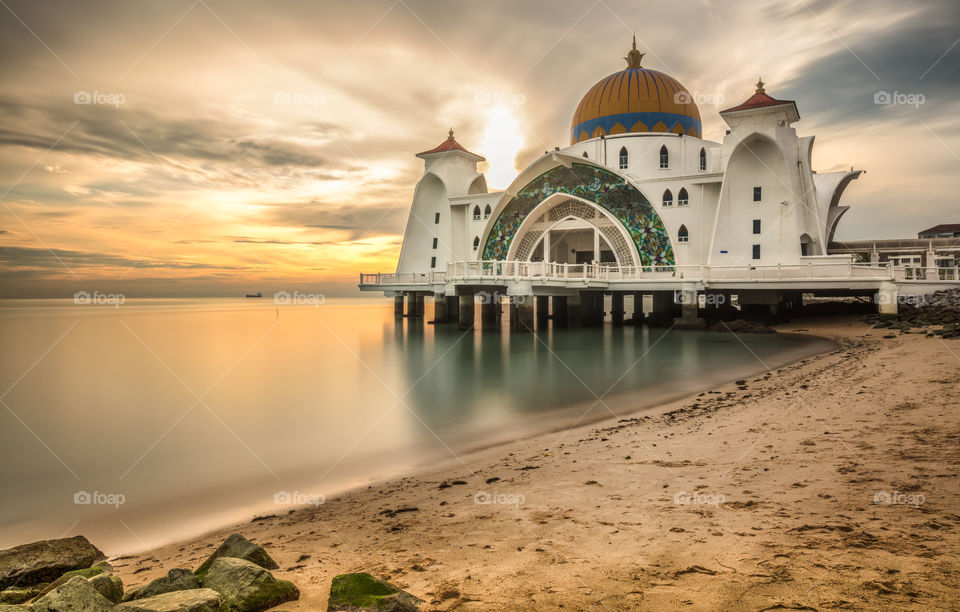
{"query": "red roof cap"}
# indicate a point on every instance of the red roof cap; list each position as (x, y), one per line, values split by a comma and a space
(450, 144)
(759, 99)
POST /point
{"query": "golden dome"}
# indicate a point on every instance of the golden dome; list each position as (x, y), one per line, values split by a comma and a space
(635, 99)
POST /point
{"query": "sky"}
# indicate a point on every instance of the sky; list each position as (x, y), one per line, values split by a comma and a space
(214, 147)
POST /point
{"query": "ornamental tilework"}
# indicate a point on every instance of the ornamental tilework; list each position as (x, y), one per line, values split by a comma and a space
(603, 188)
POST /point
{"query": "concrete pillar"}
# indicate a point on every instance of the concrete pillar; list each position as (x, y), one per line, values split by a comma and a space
(465, 311)
(689, 306)
(930, 259)
(414, 304)
(398, 305)
(489, 304)
(543, 311)
(574, 310)
(453, 308)
(638, 307)
(560, 318)
(616, 308)
(439, 308)
(521, 313)
(887, 298)
(663, 304)
(591, 309)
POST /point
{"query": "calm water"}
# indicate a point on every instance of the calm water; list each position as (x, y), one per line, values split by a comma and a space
(203, 412)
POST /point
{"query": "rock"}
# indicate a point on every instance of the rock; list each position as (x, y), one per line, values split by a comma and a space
(239, 547)
(88, 572)
(363, 592)
(14, 608)
(45, 561)
(194, 600)
(247, 587)
(74, 595)
(177, 579)
(109, 586)
(17, 595)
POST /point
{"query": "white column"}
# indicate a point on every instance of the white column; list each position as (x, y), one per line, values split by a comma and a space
(546, 246)
(596, 245)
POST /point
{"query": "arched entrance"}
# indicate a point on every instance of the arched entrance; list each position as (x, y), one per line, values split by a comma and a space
(568, 229)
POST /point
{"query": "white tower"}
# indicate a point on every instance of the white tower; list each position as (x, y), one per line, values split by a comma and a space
(435, 229)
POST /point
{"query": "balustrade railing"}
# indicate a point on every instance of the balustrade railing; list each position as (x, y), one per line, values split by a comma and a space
(547, 271)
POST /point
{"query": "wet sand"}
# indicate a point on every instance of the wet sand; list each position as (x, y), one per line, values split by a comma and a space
(831, 483)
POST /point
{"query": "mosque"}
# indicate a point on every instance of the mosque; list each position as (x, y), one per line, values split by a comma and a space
(639, 204)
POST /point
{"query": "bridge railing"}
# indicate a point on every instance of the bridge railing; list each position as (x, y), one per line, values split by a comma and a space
(547, 271)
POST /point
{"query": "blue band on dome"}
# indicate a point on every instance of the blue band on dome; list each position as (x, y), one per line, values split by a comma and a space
(627, 120)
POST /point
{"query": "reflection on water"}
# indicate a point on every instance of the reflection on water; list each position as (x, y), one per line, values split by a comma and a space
(201, 412)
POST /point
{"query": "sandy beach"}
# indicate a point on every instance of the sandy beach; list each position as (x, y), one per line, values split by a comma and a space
(831, 483)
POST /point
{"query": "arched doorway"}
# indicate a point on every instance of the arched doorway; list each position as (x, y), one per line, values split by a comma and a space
(568, 229)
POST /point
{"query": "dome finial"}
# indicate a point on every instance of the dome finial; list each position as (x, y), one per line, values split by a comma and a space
(633, 56)
(450, 134)
(760, 85)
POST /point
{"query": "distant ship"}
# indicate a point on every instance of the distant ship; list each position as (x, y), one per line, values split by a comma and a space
(253, 295)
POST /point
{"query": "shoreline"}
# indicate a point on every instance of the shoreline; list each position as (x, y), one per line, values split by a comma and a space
(460, 554)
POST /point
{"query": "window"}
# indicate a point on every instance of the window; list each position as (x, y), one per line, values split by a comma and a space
(683, 235)
(667, 198)
(682, 198)
(756, 251)
(664, 157)
(703, 160)
(433, 262)
(476, 243)
(434, 243)
(756, 226)
(624, 158)
(476, 213)
(486, 212)
(436, 218)
(757, 194)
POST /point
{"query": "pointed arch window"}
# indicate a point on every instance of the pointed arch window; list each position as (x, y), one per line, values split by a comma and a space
(476, 243)
(486, 212)
(624, 158)
(476, 213)
(683, 198)
(664, 157)
(667, 198)
(682, 234)
(703, 160)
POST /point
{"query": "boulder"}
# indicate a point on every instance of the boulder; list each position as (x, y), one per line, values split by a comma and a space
(177, 579)
(194, 600)
(17, 595)
(109, 586)
(74, 595)
(239, 547)
(247, 587)
(363, 592)
(88, 572)
(45, 561)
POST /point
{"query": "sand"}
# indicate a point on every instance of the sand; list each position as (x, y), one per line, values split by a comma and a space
(831, 483)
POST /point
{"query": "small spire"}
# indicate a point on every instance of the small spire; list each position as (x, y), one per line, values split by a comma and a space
(633, 56)
(760, 85)
(450, 134)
